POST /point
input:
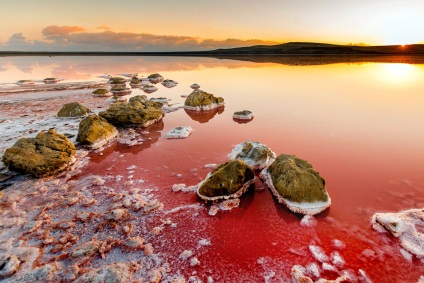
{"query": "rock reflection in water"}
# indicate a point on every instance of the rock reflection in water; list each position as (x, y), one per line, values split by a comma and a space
(204, 116)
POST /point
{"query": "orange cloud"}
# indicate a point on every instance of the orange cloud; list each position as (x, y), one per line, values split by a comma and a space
(104, 28)
(63, 30)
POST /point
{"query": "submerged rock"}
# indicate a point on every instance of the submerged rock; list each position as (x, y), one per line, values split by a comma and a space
(201, 100)
(9, 264)
(132, 114)
(295, 183)
(405, 225)
(46, 154)
(101, 92)
(179, 132)
(51, 80)
(228, 180)
(256, 155)
(120, 90)
(95, 131)
(169, 83)
(149, 88)
(25, 82)
(73, 109)
(243, 115)
(112, 273)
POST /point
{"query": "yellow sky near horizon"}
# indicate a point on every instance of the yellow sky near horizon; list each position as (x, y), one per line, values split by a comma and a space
(192, 24)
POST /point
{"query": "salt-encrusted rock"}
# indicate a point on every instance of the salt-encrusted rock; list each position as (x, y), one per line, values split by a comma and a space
(101, 92)
(120, 90)
(298, 274)
(112, 273)
(243, 115)
(169, 83)
(149, 88)
(179, 132)
(73, 109)
(228, 180)
(95, 131)
(44, 273)
(51, 80)
(46, 154)
(135, 82)
(295, 183)
(201, 100)
(162, 100)
(117, 81)
(86, 249)
(139, 98)
(195, 86)
(256, 155)
(132, 114)
(155, 78)
(9, 264)
(25, 82)
(405, 225)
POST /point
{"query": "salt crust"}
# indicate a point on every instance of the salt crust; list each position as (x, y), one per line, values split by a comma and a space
(237, 153)
(225, 205)
(179, 132)
(406, 226)
(204, 107)
(249, 116)
(237, 194)
(309, 208)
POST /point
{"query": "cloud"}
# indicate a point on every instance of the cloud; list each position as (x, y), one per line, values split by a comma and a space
(104, 28)
(19, 42)
(76, 38)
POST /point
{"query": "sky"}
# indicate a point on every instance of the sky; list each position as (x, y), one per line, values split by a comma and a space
(177, 25)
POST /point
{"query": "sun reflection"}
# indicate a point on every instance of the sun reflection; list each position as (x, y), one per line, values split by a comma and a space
(396, 72)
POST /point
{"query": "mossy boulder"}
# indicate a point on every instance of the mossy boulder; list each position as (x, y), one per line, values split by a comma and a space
(46, 154)
(201, 100)
(140, 98)
(228, 180)
(73, 109)
(131, 114)
(95, 131)
(101, 92)
(255, 154)
(117, 81)
(295, 182)
(155, 78)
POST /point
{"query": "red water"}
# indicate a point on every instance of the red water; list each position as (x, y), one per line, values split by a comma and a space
(360, 126)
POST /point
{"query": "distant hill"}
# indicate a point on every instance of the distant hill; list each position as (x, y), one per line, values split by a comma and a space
(310, 48)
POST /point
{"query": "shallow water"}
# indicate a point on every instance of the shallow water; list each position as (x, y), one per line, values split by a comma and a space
(359, 125)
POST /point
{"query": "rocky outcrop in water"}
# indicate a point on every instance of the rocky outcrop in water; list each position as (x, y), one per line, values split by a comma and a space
(112, 273)
(256, 155)
(155, 78)
(228, 180)
(73, 109)
(405, 225)
(101, 92)
(179, 132)
(201, 100)
(46, 154)
(140, 98)
(117, 81)
(243, 115)
(295, 183)
(95, 131)
(132, 114)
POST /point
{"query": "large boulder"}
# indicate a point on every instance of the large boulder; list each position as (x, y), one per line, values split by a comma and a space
(95, 131)
(228, 180)
(295, 183)
(256, 155)
(132, 114)
(73, 109)
(201, 100)
(46, 154)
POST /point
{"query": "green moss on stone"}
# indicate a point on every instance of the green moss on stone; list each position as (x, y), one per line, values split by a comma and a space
(296, 180)
(100, 91)
(94, 129)
(139, 98)
(227, 179)
(45, 154)
(73, 109)
(153, 76)
(200, 98)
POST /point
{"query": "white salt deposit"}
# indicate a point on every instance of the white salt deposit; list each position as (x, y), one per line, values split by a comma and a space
(186, 254)
(328, 267)
(313, 270)
(406, 255)
(363, 277)
(337, 244)
(179, 132)
(194, 261)
(243, 115)
(404, 225)
(308, 221)
(210, 166)
(337, 259)
(258, 157)
(318, 253)
(203, 242)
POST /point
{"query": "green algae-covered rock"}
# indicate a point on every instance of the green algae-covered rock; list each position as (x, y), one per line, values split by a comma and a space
(294, 182)
(201, 100)
(95, 131)
(117, 81)
(228, 180)
(131, 114)
(139, 98)
(46, 154)
(73, 109)
(101, 92)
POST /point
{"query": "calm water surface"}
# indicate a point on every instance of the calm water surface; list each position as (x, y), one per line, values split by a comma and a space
(360, 125)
